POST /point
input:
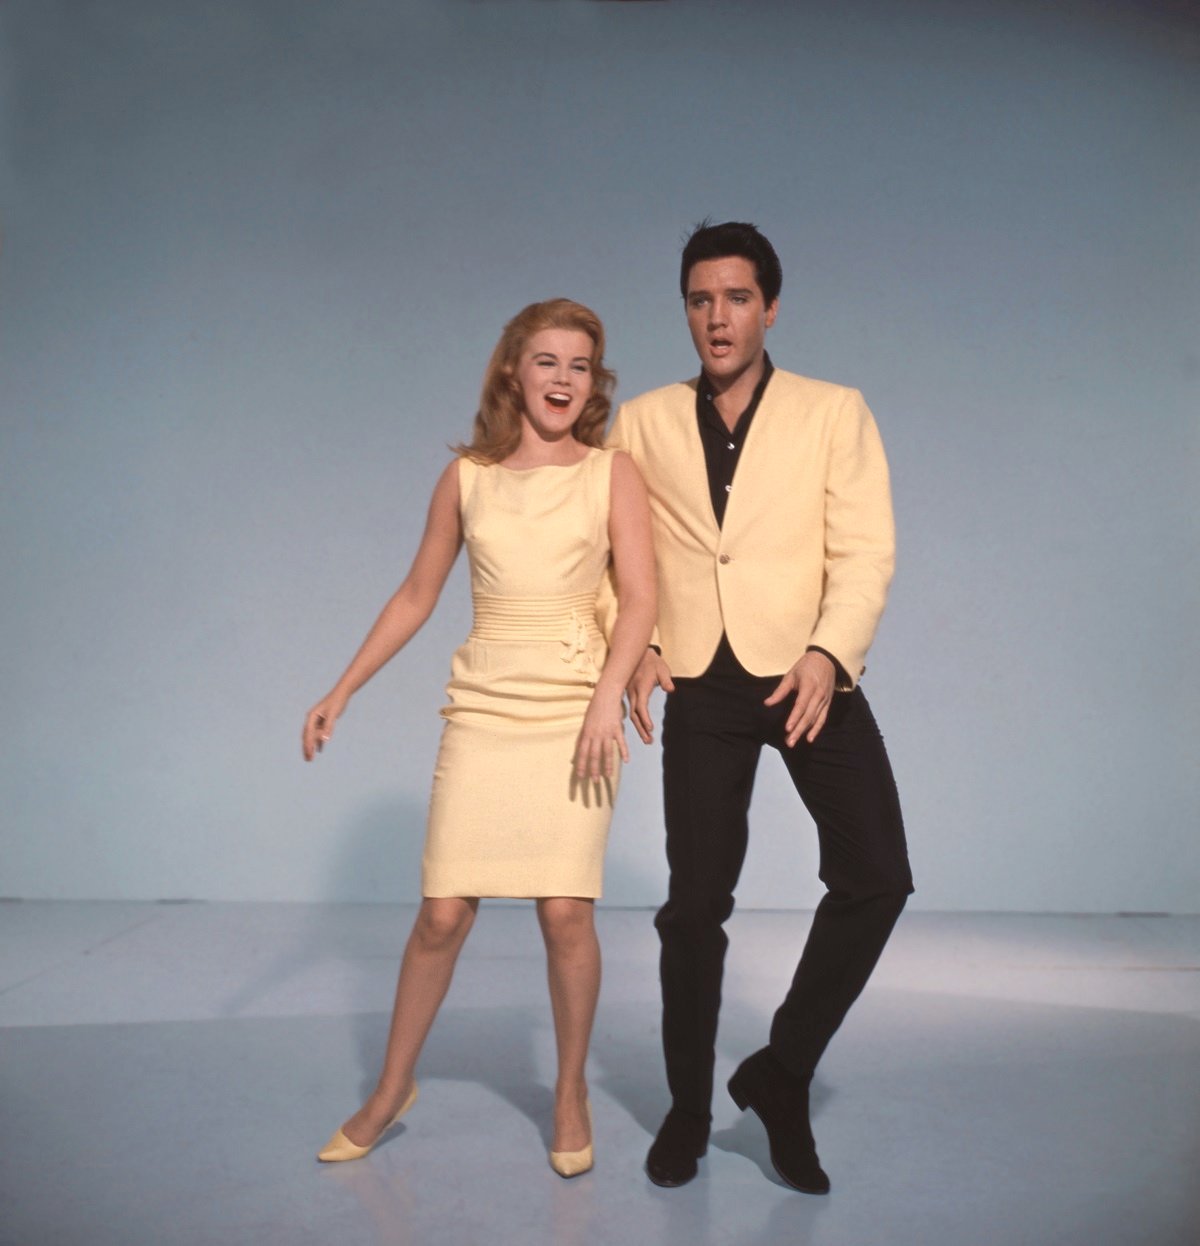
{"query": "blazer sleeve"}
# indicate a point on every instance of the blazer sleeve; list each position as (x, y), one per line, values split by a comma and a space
(860, 537)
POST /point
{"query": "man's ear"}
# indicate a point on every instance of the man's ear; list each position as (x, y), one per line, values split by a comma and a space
(772, 310)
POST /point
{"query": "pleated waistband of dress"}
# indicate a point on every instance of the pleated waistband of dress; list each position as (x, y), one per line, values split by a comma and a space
(534, 618)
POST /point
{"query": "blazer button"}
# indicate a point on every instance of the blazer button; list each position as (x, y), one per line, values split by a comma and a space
(724, 558)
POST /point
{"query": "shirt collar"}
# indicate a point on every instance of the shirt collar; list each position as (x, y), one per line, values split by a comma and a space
(705, 397)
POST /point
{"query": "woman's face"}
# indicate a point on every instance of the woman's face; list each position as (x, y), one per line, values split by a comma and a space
(555, 375)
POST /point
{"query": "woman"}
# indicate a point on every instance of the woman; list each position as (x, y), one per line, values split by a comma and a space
(528, 764)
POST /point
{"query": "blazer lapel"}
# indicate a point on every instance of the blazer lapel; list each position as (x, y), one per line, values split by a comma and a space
(687, 455)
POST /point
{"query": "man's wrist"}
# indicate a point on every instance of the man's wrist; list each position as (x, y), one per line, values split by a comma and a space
(840, 678)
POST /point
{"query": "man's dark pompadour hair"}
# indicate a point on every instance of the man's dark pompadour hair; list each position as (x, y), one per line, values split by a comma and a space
(718, 242)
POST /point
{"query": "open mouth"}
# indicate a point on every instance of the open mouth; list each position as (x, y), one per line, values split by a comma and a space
(559, 402)
(720, 345)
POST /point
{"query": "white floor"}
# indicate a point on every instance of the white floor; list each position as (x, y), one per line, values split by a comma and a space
(167, 1071)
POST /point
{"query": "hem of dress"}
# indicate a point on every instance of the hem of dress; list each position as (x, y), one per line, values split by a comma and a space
(459, 894)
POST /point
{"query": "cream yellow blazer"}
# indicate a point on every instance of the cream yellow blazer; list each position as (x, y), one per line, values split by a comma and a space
(806, 552)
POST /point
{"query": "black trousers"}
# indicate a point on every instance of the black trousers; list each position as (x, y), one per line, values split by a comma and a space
(714, 728)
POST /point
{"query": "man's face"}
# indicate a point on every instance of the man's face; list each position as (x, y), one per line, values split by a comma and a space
(727, 316)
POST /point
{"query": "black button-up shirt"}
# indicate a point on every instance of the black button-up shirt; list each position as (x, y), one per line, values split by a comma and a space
(722, 449)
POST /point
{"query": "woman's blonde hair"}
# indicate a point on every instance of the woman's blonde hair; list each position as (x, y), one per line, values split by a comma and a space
(497, 431)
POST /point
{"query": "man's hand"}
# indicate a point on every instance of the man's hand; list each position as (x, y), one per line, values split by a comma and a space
(652, 672)
(812, 680)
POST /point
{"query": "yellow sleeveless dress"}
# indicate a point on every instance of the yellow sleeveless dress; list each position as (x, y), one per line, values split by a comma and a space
(507, 816)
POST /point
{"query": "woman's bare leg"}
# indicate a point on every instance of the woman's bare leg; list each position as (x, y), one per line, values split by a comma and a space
(573, 967)
(430, 955)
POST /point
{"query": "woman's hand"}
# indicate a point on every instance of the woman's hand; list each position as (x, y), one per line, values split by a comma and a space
(318, 725)
(600, 738)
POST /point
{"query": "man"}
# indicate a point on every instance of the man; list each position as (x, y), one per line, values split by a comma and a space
(773, 532)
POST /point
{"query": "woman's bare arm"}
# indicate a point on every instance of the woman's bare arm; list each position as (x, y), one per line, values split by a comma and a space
(402, 617)
(633, 562)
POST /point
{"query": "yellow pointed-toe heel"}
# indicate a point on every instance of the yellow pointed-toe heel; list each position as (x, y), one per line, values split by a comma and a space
(340, 1148)
(575, 1163)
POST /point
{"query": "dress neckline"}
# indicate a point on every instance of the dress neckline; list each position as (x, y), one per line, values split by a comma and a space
(562, 467)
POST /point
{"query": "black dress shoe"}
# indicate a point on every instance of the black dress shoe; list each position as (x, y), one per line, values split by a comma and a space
(780, 1099)
(682, 1140)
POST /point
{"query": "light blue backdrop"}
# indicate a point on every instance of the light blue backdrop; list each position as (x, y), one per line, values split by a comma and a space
(256, 254)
